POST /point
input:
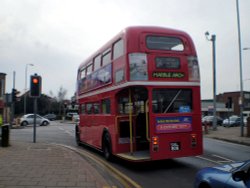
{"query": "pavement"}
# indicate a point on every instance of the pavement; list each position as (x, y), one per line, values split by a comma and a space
(42, 165)
(229, 134)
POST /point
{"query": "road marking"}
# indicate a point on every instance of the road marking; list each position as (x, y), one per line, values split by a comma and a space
(215, 159)
(206, 159)
(69, 132)
(226, 160)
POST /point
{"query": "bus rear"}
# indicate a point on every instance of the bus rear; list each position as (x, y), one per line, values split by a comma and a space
(162, 100)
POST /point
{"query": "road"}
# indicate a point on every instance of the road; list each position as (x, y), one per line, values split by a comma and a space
(171, 173)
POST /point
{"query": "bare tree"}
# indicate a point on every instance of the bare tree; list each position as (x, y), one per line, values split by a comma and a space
(60, 98)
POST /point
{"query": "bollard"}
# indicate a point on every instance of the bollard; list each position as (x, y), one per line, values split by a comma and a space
(5, 135)
(248, 127)
(206, 128)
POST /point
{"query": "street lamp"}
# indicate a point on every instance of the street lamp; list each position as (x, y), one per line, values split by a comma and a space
(212, 39)
(241, 102)
(25, 87)
(246, 48)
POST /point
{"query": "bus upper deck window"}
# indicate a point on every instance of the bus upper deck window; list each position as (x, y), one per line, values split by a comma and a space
(164, 43)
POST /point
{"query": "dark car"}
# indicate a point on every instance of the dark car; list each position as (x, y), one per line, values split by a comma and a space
(51, 117)
(233, 175)
(209, 120)
(233, 121)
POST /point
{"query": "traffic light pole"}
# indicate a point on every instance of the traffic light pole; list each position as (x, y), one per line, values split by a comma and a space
(34, 126)
(35, 92)
(13, 102)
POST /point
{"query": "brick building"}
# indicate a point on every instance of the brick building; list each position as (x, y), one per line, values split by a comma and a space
(235, 96)
(2, 91)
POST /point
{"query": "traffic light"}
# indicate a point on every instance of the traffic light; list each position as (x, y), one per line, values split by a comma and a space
(35, 85)
(230, 101)
(14, 95)
(226, 105)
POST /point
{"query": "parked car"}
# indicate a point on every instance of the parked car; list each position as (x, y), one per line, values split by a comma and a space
(76, 118)
(209, 120)
(70, 115)
(232, 121)
(50, 117)
(231, 175)
(28, 119)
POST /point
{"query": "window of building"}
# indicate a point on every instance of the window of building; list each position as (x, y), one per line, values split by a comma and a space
(1, 88)
(247, 95)
(118, 49)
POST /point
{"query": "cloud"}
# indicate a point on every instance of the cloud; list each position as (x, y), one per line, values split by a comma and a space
(56, 36)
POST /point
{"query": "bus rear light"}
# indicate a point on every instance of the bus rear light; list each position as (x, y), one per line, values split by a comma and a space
(138, 65)
(193, 69)
(155, 142)
(193, 140)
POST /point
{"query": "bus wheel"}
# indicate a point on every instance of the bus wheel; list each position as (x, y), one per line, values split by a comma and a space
(107, 147)
(77, 136)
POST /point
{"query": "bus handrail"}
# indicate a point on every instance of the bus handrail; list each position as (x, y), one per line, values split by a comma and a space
(130, 123)
(147, 123)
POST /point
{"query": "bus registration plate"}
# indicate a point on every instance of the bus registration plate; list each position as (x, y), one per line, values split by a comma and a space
(175, 146)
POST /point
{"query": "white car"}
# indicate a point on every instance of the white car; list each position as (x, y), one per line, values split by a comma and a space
(28, 119)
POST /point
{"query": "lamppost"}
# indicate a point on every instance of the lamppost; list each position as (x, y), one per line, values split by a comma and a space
(241, 102)
(213, 39)
(25, 87)
(246, 48)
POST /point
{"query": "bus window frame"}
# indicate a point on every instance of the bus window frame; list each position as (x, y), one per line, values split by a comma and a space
(88, 72)
(89, 111)
(99, 62)
(114, 49)
(106, 53)
(167, 37)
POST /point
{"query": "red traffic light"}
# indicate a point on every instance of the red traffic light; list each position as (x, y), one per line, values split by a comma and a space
(35, 81)
(35, 85)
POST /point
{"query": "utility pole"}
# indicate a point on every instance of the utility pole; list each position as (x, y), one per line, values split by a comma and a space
(213, 39)
(13, 102)
(241, 100)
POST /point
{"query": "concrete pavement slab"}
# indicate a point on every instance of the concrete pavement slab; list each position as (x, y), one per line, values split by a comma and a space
(46, 165)
(229, 134)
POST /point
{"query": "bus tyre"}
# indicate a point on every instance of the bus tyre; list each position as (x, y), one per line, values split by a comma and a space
(77, 136)
(107, 147)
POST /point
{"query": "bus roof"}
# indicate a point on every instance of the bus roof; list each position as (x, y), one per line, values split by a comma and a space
(135, 30)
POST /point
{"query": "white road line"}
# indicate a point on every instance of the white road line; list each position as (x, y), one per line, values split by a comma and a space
(225, 159)
(71, 132)
(206, 159)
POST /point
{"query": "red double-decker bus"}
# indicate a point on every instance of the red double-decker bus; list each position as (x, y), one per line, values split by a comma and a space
(139, 96)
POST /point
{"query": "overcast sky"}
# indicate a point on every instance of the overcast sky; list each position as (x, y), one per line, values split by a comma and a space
(57, 35)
